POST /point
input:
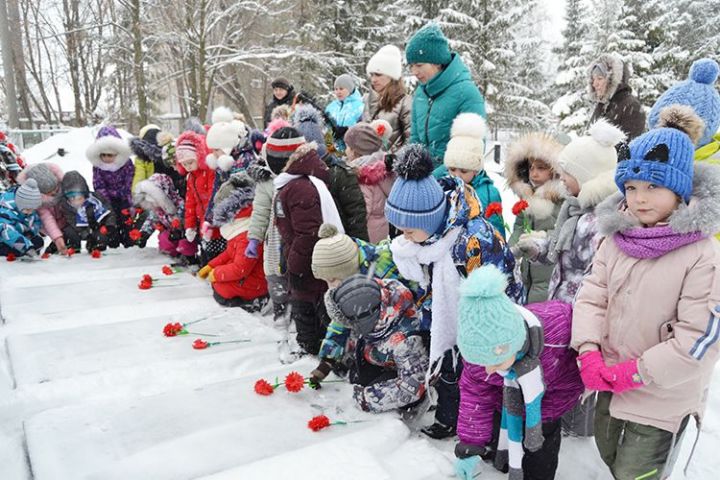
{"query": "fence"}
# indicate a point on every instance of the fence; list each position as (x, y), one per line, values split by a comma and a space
(25, 139)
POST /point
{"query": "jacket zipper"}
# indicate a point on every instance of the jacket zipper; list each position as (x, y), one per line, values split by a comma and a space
(427, 120)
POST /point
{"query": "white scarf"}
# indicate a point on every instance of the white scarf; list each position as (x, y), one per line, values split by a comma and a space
(409, 258)
(234, 228)
(327, 203)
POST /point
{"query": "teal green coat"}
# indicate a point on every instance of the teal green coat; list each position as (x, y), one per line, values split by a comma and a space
(486, 191)
(437, 103)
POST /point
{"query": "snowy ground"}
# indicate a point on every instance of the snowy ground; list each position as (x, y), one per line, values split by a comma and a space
(91, 389)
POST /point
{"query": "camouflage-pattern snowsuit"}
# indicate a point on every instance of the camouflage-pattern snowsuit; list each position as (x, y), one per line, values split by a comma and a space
(395, 346)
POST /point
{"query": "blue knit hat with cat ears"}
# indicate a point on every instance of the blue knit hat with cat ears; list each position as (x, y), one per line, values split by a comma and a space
(663, 156)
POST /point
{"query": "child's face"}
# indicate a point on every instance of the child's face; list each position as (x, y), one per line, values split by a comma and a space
(188, 160)
(571, 184)
(540, 173)
(280, 93)
(500, 366)
(650, 203)
(463, 174)
(600, 85)
(108, 157)
(27, 211)
(341, 93)
(415, 235)
(75, 199)
(351, 155)
(333, 282)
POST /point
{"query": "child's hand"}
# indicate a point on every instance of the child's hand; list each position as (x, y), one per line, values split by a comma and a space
(623, 376)
(205, 271)
(591, 366)
(528, 246)
(190, 234)
(211, 276)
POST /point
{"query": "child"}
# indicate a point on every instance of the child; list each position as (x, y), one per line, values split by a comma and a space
(391, 358)
(166, 208)
(533, 174)
(537, 378)
(190, 152)
(147, 153)
(167, 164)
(343, 185)
(646, 318)
(237, 280)
(445, 236)
(113, 176)
(346, 110)
(9, 165)
(48, 177)
(336, 257)
(89, 216)
(19, 221)
(303, 203)
(464, 159)
(364, 149)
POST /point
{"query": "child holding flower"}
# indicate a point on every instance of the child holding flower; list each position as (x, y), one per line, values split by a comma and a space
(533, 174)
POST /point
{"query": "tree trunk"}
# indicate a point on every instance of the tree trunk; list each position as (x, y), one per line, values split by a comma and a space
(71, 24)
(138, 66)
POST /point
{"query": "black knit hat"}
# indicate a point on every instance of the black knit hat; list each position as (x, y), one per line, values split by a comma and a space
(280, 145)
(281, 82)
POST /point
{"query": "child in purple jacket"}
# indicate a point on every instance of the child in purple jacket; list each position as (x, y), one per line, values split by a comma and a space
(512, 418)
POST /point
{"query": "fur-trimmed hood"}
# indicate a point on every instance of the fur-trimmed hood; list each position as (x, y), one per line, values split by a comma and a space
(618, 76)
(702, 214)
(201, 150)
(145, 150)
(160, 190)
(543, 147)
(233, 197)
(371, 169)
(108, 144)
(260, 172)
(306, 161)
(598, 189)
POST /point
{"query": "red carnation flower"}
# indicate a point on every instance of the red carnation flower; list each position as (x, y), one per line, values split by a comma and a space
(135, 234)
(125, 211)
(70, 252)
(172, 329)
(175, 223)
(380, 129)
(520, 207)
(262, 387)
(143, 285)
(294, 382)
(45, 256)
(167, 270)
(159, 227)
(318, 423)
(494, 208)
(200, 344)
(138, 211)
(147, 278)
(96, 253)
(10, 257)
(128, 221)
(103, 230)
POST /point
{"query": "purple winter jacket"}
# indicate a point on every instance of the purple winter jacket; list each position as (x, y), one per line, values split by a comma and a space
(481, 395)
(115, 186)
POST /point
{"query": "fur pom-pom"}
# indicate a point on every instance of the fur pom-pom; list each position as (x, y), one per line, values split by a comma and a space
(683, 118)
(225, 163)
(211, 161)
(222, 114)
(605, 133)
(164, 138)
(484, 282)
(705, 71)
(281, 111)
(469, 125)
(383, 128)
(413, 162)
(241, 180)
(327, 230)
(307, 113)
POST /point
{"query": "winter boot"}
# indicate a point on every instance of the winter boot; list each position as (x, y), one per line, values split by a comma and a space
(287, 353)
(439, 431)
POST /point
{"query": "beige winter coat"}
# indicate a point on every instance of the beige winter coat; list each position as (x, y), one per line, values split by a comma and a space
(398, 118)
(663, 311)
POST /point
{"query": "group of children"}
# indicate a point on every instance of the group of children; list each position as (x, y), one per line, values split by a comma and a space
(398, 275)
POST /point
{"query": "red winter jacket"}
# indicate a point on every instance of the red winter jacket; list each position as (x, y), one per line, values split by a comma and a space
(298, 218)
(233, 266)
(199, 182)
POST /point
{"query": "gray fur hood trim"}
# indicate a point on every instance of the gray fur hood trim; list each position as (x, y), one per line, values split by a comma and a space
(702, 214)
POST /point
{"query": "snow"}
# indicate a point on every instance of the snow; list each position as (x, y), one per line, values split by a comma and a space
(91, 389)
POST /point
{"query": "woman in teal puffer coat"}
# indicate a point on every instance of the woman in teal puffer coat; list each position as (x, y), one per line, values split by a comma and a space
(446, 90)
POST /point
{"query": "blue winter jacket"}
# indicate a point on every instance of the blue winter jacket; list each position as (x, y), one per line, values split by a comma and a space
(346, 113)
(16, 228)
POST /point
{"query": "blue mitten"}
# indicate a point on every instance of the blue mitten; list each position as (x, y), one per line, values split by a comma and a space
(465, 467)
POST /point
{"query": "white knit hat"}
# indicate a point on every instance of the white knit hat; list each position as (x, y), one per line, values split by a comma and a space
(467, 142)
(388, 61)
(226, 131)
(586, 157)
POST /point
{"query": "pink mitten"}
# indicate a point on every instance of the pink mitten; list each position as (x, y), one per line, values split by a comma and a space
(623, 376)
(591, 367)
